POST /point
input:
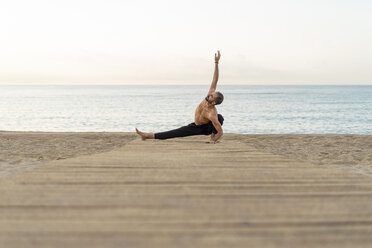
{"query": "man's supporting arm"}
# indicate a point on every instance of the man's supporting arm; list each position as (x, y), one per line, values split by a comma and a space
(215, 75)
(218, 127)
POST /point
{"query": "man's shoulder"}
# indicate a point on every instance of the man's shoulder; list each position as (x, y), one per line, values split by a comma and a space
(212, 112)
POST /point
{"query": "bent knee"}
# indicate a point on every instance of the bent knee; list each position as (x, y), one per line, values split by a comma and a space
(220, 119)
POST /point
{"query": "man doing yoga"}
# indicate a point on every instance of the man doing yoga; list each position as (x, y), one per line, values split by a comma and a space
(207, 121)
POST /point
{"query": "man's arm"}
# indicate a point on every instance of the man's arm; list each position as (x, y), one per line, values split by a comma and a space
(218, 127)
(215, 75)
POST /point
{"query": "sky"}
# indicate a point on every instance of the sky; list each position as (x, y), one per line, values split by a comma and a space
(173, 42)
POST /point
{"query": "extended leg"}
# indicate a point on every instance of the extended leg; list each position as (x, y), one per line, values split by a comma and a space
(184, 131)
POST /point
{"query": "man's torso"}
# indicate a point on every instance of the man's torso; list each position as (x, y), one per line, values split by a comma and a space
(203, 113)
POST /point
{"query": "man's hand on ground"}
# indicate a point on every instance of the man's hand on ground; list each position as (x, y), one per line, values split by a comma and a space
(212, 142)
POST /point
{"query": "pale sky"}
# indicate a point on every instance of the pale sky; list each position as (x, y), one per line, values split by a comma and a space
(173, 42)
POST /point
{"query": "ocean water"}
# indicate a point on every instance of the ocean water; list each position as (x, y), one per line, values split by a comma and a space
(246, 109)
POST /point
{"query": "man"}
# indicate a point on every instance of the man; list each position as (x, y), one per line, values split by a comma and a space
(207, 121)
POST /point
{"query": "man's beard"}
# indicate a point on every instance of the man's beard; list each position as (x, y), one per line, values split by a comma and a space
(207, 99)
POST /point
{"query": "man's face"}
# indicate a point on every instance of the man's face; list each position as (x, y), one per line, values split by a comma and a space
(210, 98)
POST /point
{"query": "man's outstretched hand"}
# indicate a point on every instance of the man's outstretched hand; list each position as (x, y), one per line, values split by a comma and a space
(212, 142)
(217, 56)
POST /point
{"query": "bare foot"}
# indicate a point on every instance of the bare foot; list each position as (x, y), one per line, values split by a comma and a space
(144, 136)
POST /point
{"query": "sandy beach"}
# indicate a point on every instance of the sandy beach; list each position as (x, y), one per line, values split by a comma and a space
(114, 190)
(345, 151)
(20, 151)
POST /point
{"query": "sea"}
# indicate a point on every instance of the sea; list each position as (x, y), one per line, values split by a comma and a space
(247, 109)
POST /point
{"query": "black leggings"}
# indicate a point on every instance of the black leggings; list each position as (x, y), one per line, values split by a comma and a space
(190, 130)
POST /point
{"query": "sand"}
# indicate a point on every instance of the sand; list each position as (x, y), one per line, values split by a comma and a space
(345, 151)
(185, 193)
(20, 151)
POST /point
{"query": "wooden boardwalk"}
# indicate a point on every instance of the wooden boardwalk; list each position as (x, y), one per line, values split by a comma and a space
(184, 193)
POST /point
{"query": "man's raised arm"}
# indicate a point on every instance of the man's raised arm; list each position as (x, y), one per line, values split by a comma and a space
(215, 75)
